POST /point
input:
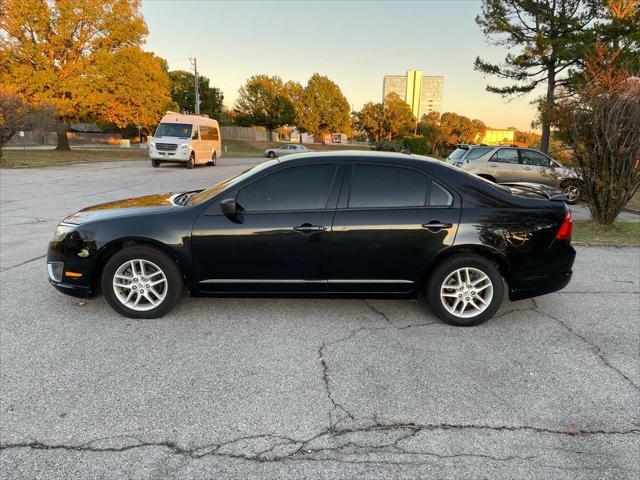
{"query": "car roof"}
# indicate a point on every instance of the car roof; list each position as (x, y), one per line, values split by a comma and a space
(368, 154)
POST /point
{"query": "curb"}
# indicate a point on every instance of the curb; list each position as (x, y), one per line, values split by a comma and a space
(605, 244)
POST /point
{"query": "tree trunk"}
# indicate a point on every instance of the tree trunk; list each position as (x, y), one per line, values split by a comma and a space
(548, 106)
(61, 131)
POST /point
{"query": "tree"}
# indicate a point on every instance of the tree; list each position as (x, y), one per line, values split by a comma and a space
(325, 109)
(85, 58)
(459, 129)
(16, 115)
(295, 93)
(399, 120)
(601, 126)
(262, 101)
(551, 37)
(370, 120)
(182, 92)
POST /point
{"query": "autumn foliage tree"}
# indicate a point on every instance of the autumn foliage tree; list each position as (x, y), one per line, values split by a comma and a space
(83, 57)
(183, 93)
(262, 101)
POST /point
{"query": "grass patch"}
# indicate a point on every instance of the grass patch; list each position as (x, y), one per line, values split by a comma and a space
(41, 158)
(624, 233)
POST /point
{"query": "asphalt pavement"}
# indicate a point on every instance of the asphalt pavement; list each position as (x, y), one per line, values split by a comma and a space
(303, 388)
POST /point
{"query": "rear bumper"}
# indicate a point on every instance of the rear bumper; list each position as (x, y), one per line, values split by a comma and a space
(553, 273)
(537, 286)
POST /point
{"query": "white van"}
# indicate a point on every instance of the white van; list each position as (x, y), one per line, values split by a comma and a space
(188, 139)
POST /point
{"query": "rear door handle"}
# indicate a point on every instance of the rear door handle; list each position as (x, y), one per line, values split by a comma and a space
(308, 228)
(436, 225)
(527, 168)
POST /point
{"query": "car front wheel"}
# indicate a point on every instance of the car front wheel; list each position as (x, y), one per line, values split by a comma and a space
(465, 290)
(141, 282)
(571, 190)
(272, 154)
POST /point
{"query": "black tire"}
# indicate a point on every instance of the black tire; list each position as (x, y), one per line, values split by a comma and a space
(488, 177)
(450, 265)
(171, 271)
(572, 191)
(191, 162)
(272, 155)
(214, 159)
(155, 163)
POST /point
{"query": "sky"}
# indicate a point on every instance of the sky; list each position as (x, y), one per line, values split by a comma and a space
(354, 43)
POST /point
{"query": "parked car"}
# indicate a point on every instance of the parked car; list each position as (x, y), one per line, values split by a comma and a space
(286, 149)
(332, 223)
(186, 139)
(516, 164)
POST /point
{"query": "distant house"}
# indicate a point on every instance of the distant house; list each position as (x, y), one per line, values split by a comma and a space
(85, 128)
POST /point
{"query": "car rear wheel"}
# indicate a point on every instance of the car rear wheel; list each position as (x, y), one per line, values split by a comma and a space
(465, 290)
(571, 190)
(272, 155)
(141, 282)
(191, 161)
(155, 163)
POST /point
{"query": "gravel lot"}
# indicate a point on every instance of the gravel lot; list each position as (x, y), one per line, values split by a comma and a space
(303, 388)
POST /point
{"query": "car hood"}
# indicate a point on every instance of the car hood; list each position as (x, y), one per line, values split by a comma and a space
(121, 208)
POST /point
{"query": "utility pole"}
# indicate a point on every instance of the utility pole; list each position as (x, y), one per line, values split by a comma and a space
(194, 62)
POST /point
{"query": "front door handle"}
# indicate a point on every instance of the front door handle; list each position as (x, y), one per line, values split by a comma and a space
(436, 225)
(493, 165)
(308, 228)
(527, 168)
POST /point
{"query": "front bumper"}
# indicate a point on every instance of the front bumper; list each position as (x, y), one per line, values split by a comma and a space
(178, 155)
(72, 290)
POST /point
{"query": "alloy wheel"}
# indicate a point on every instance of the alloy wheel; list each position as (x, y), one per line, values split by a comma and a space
(466, 292)
(572, 192)
(140, 285)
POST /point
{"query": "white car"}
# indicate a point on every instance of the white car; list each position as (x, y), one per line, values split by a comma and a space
(286, 149)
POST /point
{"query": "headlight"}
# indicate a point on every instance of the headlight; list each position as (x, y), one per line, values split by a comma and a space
(184, 145)
(152, 144)
(458, 164)
(62, 230)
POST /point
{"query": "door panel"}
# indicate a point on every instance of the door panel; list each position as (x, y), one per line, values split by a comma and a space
(381, 240)
(279, 238)
(536, 168)
(505, 166)
(262, 253)
(386, 250)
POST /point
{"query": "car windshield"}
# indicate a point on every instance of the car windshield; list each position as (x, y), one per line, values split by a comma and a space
(458, 153)
(180, 130)
(220, 186)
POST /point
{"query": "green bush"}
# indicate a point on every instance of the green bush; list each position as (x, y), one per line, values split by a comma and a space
(415, 144)
(387, 146)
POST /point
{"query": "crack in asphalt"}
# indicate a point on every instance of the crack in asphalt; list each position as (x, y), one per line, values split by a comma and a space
(23, 263)
(594, 348)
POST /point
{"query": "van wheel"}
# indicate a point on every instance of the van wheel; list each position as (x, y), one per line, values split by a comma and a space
(214, 159)
(141, 282)
(465, 290)
(155, 163)
(191, 161)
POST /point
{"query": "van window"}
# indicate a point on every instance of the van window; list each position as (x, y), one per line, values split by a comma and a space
(180, 130)
(209, 133)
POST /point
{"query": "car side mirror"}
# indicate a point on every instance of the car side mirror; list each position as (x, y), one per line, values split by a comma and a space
(229, 207)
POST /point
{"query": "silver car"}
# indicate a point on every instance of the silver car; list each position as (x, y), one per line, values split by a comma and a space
(286, 149)
(516, 164)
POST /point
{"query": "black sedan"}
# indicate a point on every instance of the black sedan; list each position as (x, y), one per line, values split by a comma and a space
(333, 224)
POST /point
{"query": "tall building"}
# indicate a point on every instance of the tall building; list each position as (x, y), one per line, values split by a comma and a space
(422, 93)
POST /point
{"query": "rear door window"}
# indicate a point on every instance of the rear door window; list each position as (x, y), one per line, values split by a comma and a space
(439, 196)
(506, 155)
(382, 186)
(530, 157)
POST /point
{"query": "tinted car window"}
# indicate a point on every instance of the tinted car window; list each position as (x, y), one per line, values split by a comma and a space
(529, 157)
(439, 196)
(297, 188)
(382, 186)
(506, 155)
(477, 153)
(458, 153)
